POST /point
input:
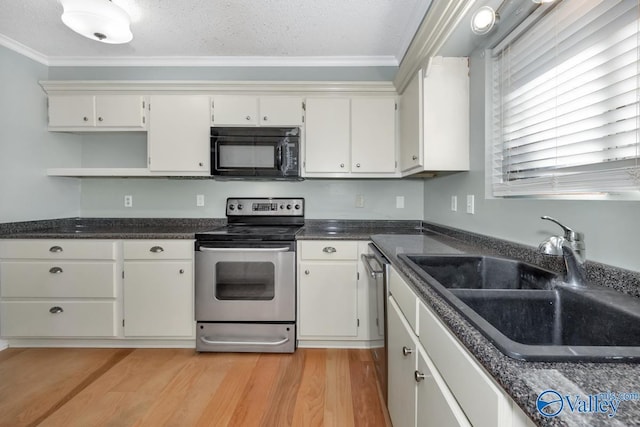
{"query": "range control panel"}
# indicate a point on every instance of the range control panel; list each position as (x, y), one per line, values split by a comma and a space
(265, 207)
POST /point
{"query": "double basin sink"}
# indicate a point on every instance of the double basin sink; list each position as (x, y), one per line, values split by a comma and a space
(530, 314)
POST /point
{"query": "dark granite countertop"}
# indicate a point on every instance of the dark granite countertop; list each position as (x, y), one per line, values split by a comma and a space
(109, 228)
(523, 381)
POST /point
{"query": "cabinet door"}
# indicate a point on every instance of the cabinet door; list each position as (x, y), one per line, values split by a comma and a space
(328, 305)
(281, 111)
(327, 131)
(235, 110)
(71, 111)
(435, 404)
(178, 138)
(410, 116)
(401, 361)
(373, 135)
(120, 111)
(158, 298)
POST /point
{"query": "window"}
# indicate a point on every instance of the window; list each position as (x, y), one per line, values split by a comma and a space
(565, 117)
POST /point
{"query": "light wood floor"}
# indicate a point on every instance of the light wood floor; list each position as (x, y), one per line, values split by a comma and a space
(179, 387)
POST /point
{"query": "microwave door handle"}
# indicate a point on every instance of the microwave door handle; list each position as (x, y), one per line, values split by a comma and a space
(280, 160)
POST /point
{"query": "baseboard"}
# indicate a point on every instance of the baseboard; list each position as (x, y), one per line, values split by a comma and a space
(339, 344)
(3, 345)
(117, 343)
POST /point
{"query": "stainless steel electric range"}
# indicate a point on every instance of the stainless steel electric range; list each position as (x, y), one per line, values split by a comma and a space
(245, 278)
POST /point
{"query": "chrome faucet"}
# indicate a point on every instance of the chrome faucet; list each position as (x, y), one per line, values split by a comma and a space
(571, 247)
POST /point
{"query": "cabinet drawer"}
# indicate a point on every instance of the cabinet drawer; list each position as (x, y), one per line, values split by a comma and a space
(329, 250)
(77, 319)
(58, 279)
(481, 400)
(158, 249)
(406, 299)
(58, 249)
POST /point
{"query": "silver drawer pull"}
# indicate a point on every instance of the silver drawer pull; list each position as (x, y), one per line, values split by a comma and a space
(406, 351)
(329, 249)
(182, 271)
(307, 272)
(55, 310)
(418, 376)
(156, 249)
(55, 270)
(55, 249)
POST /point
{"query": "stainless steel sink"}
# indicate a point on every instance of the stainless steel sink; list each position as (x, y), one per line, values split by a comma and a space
(529, 314)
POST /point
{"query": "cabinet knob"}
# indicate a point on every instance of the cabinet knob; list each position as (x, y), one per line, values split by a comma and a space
(306, 272)
(357, 165)
(99, 119)
(418, 376)
(265, 118)
(200, 164)
(406, 351)
(55, 270)
(55, 310)
(329, 250)
(181, 271)
(55, 249)
(248, 117)
(341, 165)
(414, 158)
(85, 118)
(156, 249)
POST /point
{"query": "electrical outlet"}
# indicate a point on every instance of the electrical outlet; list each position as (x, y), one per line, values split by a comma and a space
(399, 202)
(454, 203)
(359, 201)
(199, 200)
(471, 204)
(128, 201)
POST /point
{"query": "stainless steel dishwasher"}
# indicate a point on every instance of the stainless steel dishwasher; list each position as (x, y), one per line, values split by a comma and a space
(378, 275)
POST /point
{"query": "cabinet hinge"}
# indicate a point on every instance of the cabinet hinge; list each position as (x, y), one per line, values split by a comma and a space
(396, 164)
(149, 106)
(143, 105)
(212, 118)
(123, 323)
(123, 274)
(302, 119)
(396, 104)
(149, 160)
(377, 322)
(358, 322)
(144, 120)
(304, 106)
(358, 275)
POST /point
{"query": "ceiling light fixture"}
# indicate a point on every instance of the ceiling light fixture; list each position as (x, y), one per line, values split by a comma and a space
(542, 1)
(483, 20)
(99, 20)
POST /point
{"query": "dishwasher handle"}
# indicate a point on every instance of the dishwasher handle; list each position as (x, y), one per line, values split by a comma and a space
(366, 259)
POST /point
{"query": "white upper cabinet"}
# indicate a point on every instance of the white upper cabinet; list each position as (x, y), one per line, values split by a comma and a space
(373, 134)
(97, 112)
(327, 132)
(178, 139)
(242, 110)
(434, 118)
(350, 136)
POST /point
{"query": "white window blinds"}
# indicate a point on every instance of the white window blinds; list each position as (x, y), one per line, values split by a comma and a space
(566, 115)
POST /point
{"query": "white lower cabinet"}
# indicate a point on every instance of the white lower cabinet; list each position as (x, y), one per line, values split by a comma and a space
(59, 288)
(433, 380)
(333, 295)
(158, 288)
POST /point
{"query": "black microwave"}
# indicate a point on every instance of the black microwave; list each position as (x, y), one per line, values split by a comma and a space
(258, 153)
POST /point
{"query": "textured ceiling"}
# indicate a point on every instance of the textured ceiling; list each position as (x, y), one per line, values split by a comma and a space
(374, 31)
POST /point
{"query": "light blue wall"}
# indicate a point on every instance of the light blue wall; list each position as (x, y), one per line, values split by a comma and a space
(27, 149)
(324, 198)
(611, 228)
(225, 73)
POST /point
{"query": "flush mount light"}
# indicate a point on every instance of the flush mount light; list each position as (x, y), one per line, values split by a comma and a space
(99, 20)
(483, 20)
(542, 1)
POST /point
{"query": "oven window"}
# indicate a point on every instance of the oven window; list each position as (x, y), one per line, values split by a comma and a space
(245, 281)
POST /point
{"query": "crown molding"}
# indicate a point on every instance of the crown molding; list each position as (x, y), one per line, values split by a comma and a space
(23, 50)
(441, 20)
(216, 87)
(224, 61)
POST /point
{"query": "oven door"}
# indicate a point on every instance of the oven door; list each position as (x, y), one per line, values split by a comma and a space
(245, 282)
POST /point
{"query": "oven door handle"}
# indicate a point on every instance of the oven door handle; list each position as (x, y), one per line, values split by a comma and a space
(279, 341)
(206, 249)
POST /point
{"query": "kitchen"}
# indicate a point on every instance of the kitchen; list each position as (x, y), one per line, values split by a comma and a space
(28, 149)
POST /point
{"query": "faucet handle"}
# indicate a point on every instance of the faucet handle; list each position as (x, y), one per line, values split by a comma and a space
(569, 234)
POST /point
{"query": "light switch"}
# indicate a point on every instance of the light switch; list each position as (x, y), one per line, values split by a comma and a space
(454, 203)
(400, 202)
(200, 200)
(471, 208)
